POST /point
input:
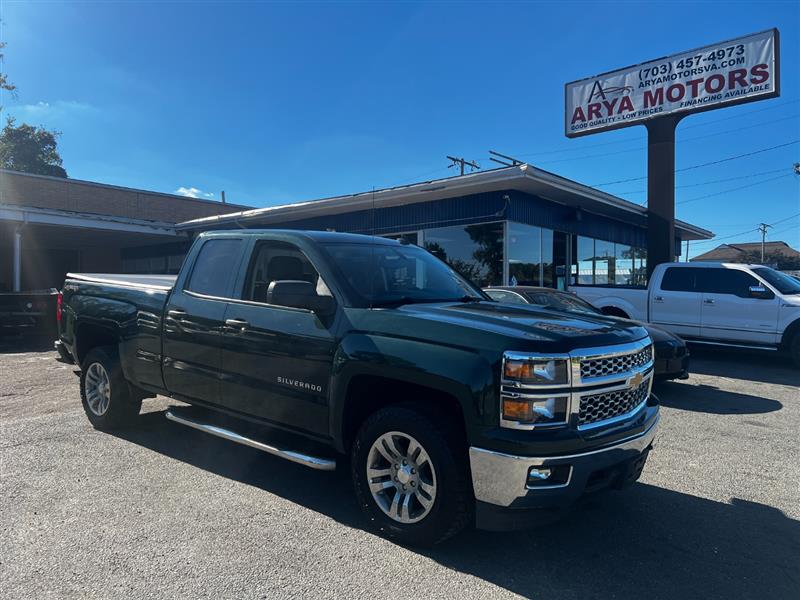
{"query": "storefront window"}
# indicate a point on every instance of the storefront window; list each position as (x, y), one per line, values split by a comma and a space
(474, 251)
(584, 274)
(623, 272)
(640, 266)
(603, 262)
(524, 254)
(548, 267)
(598, 262)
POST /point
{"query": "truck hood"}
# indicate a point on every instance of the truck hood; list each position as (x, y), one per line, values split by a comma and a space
(487, 324)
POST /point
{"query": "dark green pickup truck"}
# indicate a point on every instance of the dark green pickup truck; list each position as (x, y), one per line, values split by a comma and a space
(453, 409)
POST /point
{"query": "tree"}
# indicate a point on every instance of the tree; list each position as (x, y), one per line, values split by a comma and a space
(30, 149)
(27, 148)
(4, 83)
(774, 259)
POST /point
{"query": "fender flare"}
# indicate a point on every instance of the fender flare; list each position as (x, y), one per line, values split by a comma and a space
(617, 303)
(460, 373)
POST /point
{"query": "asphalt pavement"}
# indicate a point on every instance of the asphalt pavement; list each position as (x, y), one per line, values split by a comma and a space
(162, 511)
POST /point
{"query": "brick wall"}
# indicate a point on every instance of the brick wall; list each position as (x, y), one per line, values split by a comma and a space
(86, 197)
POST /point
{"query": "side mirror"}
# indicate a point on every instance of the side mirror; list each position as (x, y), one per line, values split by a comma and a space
(759, 291)
(299, 294)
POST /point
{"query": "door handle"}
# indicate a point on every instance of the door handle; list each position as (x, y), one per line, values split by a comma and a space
(239, 324)
(659, 299)
(176, 313)
(708, 301)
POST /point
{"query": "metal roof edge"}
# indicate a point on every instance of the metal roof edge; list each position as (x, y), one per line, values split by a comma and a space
(450, 186)
(120, 187)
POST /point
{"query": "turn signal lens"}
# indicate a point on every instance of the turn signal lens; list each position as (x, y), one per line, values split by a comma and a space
(533, 370)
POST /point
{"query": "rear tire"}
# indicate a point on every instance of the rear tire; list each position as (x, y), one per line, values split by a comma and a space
(418, 464)
(105, 394)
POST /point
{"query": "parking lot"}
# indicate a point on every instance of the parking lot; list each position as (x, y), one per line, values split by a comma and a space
(160, 510)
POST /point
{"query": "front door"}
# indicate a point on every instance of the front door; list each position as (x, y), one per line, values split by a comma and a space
(731, 313)
(194, 319)
(277, 360)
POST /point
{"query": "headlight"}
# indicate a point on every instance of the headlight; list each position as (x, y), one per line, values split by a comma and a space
(522, 405)
(534, 411)
(531, 370)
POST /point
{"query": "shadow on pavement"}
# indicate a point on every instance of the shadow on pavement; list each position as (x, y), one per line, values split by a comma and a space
(710, 399)
(14, 344)
(766, 367)
(647, 542)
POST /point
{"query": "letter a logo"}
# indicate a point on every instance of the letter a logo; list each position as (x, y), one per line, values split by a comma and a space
(597, 91)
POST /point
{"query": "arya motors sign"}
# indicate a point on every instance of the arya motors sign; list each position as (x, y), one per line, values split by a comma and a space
(740, 70)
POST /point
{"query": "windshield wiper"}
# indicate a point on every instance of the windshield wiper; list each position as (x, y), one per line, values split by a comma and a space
(412, 300)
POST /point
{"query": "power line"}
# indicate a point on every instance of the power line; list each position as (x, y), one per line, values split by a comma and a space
(702, 183)
(727, 237)
(634, 139)
(639, 148)
(708, 164)
(786, 219)
(736, 189)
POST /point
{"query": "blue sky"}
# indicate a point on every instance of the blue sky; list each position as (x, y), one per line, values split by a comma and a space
(275, 102)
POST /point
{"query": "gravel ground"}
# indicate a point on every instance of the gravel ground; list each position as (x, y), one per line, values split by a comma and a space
(162, 511)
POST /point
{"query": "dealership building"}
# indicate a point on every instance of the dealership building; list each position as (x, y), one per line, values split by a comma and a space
(511, 225)
(515, 225)
(52, 225)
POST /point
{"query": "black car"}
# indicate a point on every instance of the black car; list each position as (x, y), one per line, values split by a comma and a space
(672, 355)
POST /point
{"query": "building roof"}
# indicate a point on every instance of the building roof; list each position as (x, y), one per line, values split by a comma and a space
(525, 178)
(90, 198)
(738, 252)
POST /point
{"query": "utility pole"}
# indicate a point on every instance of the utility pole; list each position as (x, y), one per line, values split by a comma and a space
(687, 251)
(223, 196)
(463, 161)
(762, 227)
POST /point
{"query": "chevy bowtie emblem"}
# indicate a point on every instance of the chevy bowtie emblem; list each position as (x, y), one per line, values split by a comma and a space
(636, 380)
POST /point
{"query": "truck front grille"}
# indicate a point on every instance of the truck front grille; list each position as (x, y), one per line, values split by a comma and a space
(612, 365)
(607, 405)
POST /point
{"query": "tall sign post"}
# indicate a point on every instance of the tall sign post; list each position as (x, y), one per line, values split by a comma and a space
(658, 94)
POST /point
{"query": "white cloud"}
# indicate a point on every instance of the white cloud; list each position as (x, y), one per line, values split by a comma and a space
(193, 192)
(57, 108)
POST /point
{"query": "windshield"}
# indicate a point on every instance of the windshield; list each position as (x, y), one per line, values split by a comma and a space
(780, 281)
(386, 275)
(561, 301)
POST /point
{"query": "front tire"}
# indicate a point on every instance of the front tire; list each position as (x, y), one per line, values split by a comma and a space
(794, 349)
(105, 394)
(411, 476)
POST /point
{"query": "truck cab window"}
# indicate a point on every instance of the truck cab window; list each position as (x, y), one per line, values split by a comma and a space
(680, 279)
(279, 261)
(215, 268)
(728, 281)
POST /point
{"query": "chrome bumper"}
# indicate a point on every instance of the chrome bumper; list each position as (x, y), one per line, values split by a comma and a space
(501, 479)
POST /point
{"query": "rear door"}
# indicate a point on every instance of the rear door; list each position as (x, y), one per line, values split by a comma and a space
(730, 312)
(194, 319)
(277, 360)
(676, 304)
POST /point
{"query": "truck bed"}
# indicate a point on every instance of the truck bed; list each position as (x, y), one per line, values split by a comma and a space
(161, 282)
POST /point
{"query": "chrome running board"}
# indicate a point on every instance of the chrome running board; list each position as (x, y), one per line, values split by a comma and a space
(730, 345)
(313, 462)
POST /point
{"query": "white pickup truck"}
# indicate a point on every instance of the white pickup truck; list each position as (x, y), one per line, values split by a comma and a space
(714, 303)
